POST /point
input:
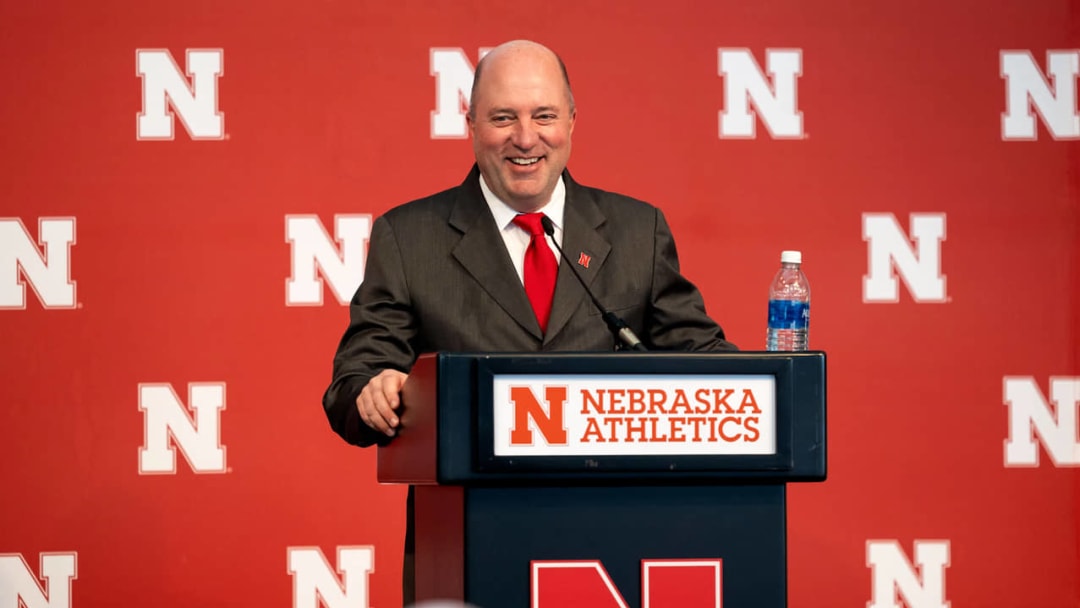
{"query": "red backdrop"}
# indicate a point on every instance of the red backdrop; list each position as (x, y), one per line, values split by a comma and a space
(956, 120)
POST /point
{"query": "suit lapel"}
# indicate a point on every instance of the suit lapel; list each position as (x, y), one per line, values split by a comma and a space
(483, 254)
(586, 251)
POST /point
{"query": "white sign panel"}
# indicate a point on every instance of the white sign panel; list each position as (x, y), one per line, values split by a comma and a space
(618, 415)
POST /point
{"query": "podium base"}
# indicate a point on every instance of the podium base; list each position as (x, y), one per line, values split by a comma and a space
(475, 544)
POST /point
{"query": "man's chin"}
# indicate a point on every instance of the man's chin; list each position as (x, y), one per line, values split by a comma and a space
(524, 193)
(522, 190)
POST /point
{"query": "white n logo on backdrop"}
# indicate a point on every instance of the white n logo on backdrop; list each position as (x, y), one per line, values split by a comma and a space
(314, 578)
(894, 574)
(891, 253)
(48, 270)
(195, 101)
(774, 97)
(453, 87)
(1027, 86)
(313, 250)
(19, 587)
(1029, 413)
(165, 416)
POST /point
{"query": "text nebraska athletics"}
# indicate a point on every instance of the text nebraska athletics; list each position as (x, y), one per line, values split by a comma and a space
(658, 415)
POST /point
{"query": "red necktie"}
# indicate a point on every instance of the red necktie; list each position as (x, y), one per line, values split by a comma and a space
(540, 268)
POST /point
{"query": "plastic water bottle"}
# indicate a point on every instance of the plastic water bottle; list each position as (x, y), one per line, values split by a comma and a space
(789, 306)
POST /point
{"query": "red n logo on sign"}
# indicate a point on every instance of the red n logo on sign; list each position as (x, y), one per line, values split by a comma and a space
(549, 422)
(665, 583)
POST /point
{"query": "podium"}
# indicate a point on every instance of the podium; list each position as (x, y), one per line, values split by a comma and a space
(619, 479)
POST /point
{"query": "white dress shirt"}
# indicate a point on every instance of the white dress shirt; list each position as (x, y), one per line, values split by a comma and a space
(516, 238)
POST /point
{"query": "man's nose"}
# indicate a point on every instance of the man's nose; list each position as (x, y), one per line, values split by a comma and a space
(525, 135)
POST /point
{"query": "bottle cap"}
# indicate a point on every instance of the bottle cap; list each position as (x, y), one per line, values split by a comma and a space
(791, 257)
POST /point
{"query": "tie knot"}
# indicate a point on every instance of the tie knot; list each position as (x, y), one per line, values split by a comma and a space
(530, 222)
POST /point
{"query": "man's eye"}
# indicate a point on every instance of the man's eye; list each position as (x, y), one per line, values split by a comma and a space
(501, 119)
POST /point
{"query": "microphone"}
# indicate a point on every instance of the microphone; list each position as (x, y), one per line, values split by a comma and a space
(618, 327)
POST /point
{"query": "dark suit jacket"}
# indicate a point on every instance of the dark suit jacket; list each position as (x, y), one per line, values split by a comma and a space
(439, 278)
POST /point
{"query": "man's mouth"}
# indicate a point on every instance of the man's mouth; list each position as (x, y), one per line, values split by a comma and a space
(524, 162)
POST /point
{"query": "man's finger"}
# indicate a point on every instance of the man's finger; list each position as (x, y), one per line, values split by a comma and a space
(390, 390)
(381, 409)
(378, 400)
(369, 411)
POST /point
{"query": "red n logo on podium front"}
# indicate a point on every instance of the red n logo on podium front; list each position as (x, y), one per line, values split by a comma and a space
(665, 583)
(549, 421)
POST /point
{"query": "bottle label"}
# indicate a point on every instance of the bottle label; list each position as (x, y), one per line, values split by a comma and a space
(786, 314)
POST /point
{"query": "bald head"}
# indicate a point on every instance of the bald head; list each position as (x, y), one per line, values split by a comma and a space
(521, 116)
(509, 50)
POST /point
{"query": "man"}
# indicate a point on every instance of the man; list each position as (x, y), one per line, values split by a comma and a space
(456, 271)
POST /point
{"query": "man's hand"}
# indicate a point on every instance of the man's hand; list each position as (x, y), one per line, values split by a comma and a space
(380, 397)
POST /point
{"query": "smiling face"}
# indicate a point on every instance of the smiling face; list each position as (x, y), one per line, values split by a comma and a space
(521, 121)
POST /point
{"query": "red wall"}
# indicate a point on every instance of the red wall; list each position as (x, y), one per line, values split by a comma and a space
(180, 262)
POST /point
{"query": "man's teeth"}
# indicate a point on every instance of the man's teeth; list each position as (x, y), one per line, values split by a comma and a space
(525, 161)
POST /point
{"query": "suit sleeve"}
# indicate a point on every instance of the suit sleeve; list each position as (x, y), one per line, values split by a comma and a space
(381, 333)
(677, 319)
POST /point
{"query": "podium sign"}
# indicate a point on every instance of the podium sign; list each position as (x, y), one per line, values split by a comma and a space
(606, 479)
(616, 415)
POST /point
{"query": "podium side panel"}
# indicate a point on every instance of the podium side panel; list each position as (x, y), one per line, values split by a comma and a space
(440, 534)
(809, 411)
(412, 456)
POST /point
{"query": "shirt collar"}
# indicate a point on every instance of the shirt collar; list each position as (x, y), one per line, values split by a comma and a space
(504, 214)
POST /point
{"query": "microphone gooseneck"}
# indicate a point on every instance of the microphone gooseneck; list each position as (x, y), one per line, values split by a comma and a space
(618, 327)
